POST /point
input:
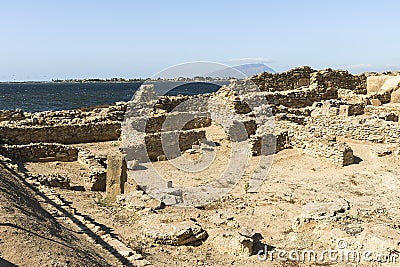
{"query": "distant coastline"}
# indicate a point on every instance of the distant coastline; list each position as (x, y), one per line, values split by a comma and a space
(123, 80)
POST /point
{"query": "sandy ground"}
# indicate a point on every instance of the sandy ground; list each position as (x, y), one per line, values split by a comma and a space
(370, 187)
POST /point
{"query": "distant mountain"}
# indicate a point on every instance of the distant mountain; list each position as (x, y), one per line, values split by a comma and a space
(241, 71)
(253, 69)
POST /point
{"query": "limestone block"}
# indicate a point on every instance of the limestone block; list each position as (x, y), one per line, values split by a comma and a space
(348, 157)
(376, 102)
(395, 97)
(116, 175)
(344, 110)
(391, 84)
(375, 83)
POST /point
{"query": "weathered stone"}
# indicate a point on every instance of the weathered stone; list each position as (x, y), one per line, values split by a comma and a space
(344, 110)
(120, 247)
(233, 243)
(64, 134)
(395, 97)
(116, 175)
(375, 83)
(53, 180)
(137, 200)
(157, 145)
(376, 102)
(391, 84)
(321, 211)
(132, 164)
(96, 181)
(381, 151)
(176, 234)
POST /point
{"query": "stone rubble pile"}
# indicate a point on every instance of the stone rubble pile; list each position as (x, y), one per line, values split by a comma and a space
(54, 180)
(176, 234)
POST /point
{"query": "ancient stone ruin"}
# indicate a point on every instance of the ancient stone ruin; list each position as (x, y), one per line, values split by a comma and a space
(312, 110)
(320, 116)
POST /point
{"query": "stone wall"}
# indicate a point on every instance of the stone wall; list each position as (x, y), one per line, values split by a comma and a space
(109, 113)
(187, 120)
(40, 152)
(289, 80)
(339, 79)
(299, 98)
(387, 113)
(152, 148)
(64, 134)
(66, 126)
(96, 180)
(269, 144)
(374, 130)
(306, 76)
(145, 132)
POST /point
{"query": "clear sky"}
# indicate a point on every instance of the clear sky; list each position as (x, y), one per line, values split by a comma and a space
(44, 40)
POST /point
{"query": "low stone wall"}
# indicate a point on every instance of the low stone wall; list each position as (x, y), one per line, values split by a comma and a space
(74, 116)
(299, 98)
(358, 128)
(387, 112)
(338, 153)
(269, 144)
(335, 107)
(64, 134)
(315, 144)
(40, 152)
(290, 135)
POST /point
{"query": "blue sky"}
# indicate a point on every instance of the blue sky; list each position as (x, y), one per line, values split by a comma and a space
(44, 40)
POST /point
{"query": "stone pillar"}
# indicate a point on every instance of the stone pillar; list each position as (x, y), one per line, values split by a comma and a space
(116, 176)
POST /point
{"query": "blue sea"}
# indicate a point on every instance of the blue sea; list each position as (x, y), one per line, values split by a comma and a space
(33, 97)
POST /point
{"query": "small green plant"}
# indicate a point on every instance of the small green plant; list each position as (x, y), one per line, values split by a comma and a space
(114, 144)
(4, 140)
(246, 187)
(102, 202)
